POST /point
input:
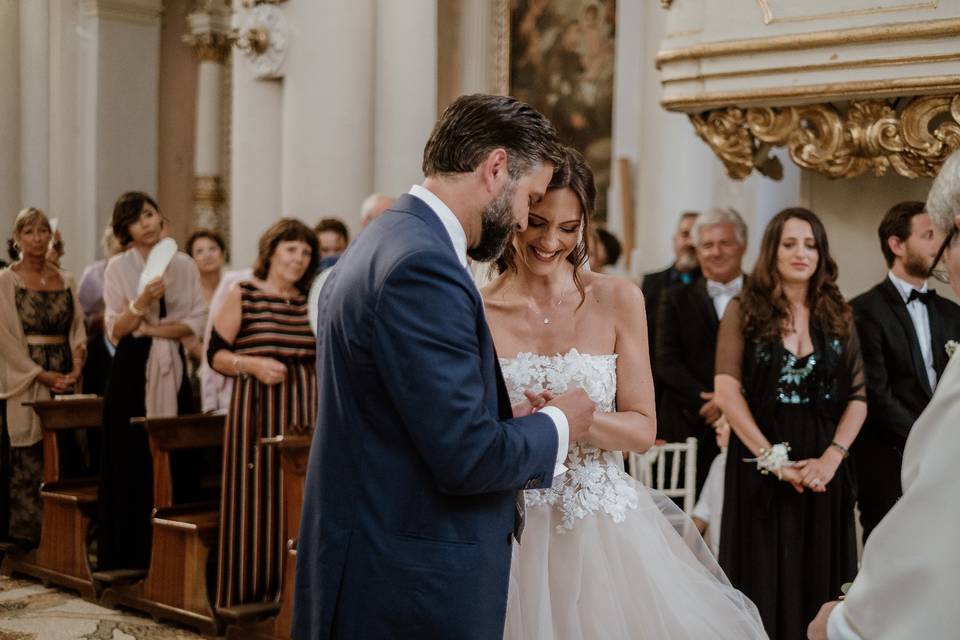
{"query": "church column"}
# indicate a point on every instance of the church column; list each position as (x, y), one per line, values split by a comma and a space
(117, 106)
(209, 37)
(9, 117)
(328, 107)
(405, 101)
(35, 103)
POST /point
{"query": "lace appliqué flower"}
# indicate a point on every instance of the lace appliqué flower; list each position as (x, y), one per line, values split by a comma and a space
(594, 480)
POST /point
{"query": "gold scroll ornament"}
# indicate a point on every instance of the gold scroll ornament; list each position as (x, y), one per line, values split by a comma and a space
(868, 135)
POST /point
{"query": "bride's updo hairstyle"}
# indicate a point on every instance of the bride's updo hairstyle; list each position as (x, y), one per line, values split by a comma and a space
(575, 174)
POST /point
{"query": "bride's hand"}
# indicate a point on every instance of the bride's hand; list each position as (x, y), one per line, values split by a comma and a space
(533, 402)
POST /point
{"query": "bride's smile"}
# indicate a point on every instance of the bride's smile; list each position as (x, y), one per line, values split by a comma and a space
(552, 232)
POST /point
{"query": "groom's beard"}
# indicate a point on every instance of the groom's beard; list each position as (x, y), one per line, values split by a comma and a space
(496, 226)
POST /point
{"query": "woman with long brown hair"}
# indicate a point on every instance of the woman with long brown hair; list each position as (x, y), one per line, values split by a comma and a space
(602, 556)
(789, 380)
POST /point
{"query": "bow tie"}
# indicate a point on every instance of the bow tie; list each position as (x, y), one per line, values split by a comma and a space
(716, 289)
(923, 296)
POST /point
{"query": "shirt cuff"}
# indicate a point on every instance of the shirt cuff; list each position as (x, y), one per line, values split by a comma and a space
(563, 437)
(837, 626)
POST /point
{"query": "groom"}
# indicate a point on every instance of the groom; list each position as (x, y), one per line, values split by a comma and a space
(411, 496)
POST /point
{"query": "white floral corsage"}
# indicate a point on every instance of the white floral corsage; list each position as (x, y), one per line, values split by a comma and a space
(773, 460)
(951, 347)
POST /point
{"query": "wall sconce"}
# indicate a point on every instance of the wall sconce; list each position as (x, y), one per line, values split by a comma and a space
(260, 31)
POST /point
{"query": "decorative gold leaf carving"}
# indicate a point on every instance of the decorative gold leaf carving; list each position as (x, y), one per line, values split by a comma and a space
(666, 3)
(727, 133)
(868, 135)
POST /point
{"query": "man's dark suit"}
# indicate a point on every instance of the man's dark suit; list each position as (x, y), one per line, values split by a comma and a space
(898, 389)
(410, 493)
(686, 349)
(653, 287)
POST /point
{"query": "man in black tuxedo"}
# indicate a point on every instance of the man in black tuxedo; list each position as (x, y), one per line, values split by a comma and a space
(689, 317)
(684, 270)
(903, 327)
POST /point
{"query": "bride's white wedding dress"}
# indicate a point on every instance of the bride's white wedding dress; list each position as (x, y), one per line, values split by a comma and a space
(602, 556)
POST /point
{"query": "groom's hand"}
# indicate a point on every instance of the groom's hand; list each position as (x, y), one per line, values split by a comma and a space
(578, 408)
(531, 403)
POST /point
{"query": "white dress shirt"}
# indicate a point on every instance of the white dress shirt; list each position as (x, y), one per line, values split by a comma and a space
(921, 324)
(709, 507)
(459, 238)
(723, 293)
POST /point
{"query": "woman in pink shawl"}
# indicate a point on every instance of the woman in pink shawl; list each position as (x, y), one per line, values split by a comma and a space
(148, 376)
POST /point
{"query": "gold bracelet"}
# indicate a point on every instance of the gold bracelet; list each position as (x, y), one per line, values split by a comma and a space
(132, 308)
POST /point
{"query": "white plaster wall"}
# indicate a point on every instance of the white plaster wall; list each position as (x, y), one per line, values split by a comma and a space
(127, 111)
(674, 170)
(328, 106)
(256, 163)
(10, 201)
(405, 97)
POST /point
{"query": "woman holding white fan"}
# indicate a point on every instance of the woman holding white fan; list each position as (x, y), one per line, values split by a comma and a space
(153, 298)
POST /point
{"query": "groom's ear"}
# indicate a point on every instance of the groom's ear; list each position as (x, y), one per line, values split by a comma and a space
(493, 171)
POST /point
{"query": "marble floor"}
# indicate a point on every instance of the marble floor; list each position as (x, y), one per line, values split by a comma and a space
(30, 611)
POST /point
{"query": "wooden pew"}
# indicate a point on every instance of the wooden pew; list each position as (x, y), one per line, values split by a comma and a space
(175, 587)
(69, 505)
(294, 454)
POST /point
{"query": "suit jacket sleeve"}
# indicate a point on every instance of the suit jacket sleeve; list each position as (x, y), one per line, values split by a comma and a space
(672, 370)
(428, 353)
(880, 398)
(914, 548)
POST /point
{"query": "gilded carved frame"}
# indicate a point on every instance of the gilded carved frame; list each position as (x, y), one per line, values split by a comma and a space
(870, 135)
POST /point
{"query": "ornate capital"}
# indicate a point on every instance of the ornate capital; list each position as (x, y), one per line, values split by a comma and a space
(666, 3)
(210, 46)
(209, 31)
(868, 135)
(208, 198)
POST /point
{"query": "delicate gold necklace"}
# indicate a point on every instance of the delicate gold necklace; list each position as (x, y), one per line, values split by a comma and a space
(551, 309)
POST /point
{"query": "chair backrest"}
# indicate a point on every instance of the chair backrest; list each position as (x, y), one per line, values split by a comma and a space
(659, 468)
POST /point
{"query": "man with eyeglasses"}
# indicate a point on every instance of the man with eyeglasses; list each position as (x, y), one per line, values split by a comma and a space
(904, 327)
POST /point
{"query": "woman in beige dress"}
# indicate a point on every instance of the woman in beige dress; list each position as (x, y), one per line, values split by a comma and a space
(43, 342)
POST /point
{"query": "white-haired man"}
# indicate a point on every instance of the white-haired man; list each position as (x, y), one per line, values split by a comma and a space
(373, 205)
(686, 342)
(909, 579)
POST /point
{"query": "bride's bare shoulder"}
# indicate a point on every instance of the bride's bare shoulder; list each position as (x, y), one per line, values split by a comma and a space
(612, 290)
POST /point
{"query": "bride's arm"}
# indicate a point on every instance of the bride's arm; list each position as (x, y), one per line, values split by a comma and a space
(633, 427)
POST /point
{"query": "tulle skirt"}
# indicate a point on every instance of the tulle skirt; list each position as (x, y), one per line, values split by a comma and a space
(649, 576)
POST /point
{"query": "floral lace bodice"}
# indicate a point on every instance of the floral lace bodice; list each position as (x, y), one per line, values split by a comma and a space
(594, 480)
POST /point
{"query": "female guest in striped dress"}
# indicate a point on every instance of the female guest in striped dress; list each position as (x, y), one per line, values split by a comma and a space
(262, 336)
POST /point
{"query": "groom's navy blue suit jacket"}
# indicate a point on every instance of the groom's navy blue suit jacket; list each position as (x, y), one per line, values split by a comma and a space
(409, 500)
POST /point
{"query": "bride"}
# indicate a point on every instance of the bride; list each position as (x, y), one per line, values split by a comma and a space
(601, 555)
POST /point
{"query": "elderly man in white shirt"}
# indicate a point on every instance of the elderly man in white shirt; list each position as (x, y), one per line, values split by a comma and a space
(910, 575)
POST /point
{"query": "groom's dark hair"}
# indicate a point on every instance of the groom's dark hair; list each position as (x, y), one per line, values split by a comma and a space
(473, 126)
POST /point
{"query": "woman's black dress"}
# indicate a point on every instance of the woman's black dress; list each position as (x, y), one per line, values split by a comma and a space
(126, 472)
(789, 552)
